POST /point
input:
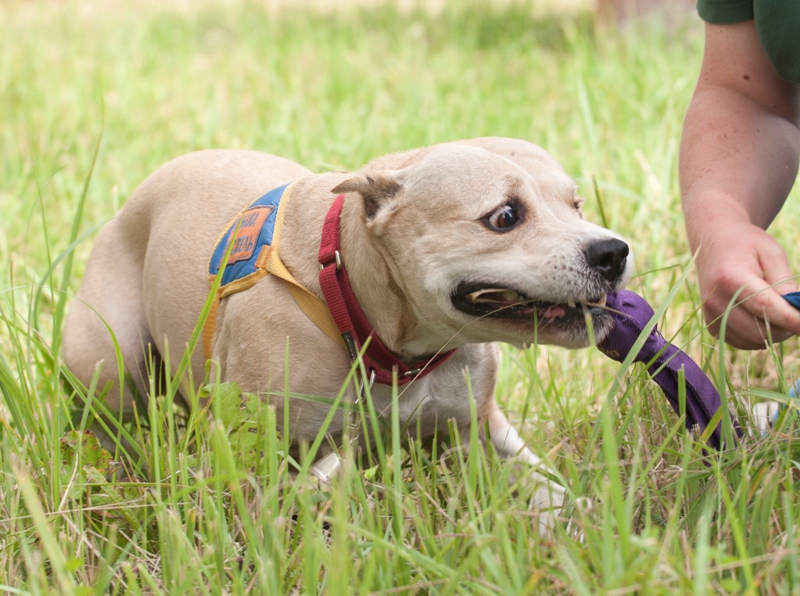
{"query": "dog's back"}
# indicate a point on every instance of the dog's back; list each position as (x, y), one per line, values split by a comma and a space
(159, 244)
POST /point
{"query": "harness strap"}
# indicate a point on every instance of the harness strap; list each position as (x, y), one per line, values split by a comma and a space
(269, 262)
(314, 308)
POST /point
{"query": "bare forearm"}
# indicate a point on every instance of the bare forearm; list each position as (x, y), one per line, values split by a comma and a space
(738, 160)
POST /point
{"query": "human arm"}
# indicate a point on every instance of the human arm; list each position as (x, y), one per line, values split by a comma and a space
(739, 159)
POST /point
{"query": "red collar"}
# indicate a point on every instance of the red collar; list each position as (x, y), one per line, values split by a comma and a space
(349, 317)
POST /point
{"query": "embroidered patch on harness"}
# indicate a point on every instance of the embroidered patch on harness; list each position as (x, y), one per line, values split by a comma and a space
(254, 233)
(244, 245)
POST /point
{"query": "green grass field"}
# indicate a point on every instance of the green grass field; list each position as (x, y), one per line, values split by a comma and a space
(94, 96)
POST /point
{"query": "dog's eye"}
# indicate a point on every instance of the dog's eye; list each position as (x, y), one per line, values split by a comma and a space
(503, 219)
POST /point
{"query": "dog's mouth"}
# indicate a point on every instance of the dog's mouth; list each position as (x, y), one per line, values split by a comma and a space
(481, 300)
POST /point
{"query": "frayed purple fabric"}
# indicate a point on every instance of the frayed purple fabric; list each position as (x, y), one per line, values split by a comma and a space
(631, 315)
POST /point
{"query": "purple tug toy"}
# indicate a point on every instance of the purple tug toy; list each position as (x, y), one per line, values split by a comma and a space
(631, 315)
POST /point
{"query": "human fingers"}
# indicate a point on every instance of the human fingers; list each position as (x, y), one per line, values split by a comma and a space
(745, 331)
(770, 306)
(750, 309)
(762, 298)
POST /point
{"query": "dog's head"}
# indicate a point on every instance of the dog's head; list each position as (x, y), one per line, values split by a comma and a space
(486, 240)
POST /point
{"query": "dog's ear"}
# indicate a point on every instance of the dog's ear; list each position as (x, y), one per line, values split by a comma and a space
(376, 189)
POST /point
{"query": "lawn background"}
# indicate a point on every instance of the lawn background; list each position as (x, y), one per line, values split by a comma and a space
(141, 83)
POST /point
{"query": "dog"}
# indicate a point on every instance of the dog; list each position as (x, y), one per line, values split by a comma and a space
(447, 250)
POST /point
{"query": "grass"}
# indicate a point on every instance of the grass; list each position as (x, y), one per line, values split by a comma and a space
(94, 97)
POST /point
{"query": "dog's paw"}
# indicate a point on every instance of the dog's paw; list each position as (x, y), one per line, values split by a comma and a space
(765, 414)
(548, 501)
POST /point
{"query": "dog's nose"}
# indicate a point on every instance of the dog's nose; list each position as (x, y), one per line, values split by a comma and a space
(607, 257)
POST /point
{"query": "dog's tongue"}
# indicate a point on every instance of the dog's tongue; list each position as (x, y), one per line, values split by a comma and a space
(631, 315)
(555, 311)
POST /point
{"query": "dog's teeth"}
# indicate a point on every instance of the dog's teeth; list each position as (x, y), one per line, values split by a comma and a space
(494, 295)
(600, 303)
(479, 295)
(571, 304)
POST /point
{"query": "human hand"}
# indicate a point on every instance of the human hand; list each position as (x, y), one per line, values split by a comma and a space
(737, 255)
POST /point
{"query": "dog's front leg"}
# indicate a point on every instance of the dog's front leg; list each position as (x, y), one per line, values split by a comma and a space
(508, 443)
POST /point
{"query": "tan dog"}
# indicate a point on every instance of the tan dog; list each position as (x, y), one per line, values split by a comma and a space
(453, 246)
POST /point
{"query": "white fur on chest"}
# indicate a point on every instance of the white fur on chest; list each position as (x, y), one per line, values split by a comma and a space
(426, 405)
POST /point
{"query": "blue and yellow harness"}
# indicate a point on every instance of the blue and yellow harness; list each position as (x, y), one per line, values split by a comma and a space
(250, 243)
(253, 232)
